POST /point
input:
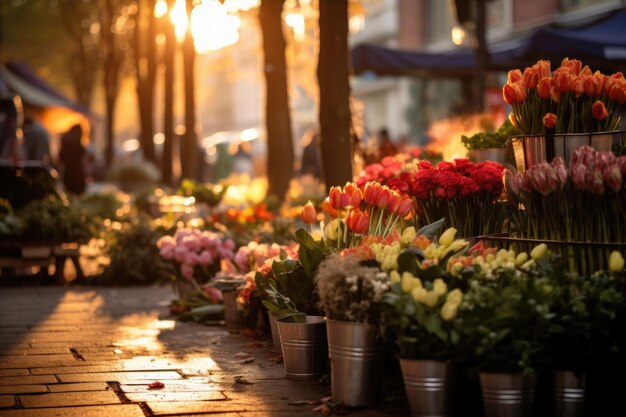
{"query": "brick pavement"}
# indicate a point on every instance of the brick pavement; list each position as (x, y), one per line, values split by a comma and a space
(86, 352)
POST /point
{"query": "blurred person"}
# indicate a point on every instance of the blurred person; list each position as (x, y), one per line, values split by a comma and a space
(71, 158)
(311, 163)
(242, 160)
(385, 145)
(9, 124)
(36, 141)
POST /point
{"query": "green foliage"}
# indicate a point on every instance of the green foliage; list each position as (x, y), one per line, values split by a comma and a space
(48, 219)
(203, 193)
(490, 138)
(134, 257)
(101, 206)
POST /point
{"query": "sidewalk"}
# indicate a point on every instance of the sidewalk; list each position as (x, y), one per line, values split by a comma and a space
(90, 352)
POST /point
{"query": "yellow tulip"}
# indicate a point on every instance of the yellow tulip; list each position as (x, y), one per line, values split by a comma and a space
(447, 237)
(439, 287)
(431, 299)
(616, 262)
(394, 276)
(520, 259)
(539, 251)
(449, 311)
(454, 297)
(408, 235)
(419, 294)
(331, 230)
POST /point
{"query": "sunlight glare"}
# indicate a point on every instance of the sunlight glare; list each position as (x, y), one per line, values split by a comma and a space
(212, 27)
(178, 16)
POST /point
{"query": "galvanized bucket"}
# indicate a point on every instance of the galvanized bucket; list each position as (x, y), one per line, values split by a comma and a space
(531, 150)
(232, 315)
(428, 386)
(274, 329)
(488, 154)
(357, 361)
(508, 394)
(304, 346)
(569, 394)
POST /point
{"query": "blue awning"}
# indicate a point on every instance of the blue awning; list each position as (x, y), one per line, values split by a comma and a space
(601, 43)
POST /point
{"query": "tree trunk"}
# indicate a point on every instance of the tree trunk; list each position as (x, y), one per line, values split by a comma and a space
(112, 66)
(280, 157)
(189, 148)
(168, 117)
(482, 55)
(145, 68)
(332, 73)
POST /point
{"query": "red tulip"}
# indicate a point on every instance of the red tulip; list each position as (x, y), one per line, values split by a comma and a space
(335, 197)
(578, 87)
(563, 79)
(384, 198)
(358, 221)
(598, 110)
(372, 192)
(549, 120)
(308, 213)
(328, 208)
(572, 65)
(406, 203)
(531, 77)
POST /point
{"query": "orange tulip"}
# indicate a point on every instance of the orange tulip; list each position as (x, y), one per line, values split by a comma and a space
(328, 208)
(335, 197)
(514, 76)
(308, 213)
(598, 110)
(514, 93)
(578, 87)
(573, 65)
(555, 95)
(563, 79)
(372, 192)
(512, 119)
(543, 88)
(549, 120)
(543, 68)
(531, 77)
(358, 221)
(601, 81)
(590, 85)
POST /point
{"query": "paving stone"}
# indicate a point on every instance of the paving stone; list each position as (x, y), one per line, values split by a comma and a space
(158, 395)
(119, 376)
(22, 389)
(87, 386)
(37, 351)
(65, 399)
(197, 407)
(7, 401)
(28, 380)
(125, 410)
(13, 372)
(75, 369)
(185, 386)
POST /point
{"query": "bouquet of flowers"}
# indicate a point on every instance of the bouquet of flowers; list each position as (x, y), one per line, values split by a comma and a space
(390, 167)
(462, 192)
(570, 99)
(196, 254)
(585, 203)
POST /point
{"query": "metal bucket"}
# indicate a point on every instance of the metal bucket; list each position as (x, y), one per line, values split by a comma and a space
(232, 315)
(304, 346)
(428, 386)
(534, 149)
(508, 395)
(274, 329)
(569, 394)
(357, 361)
(488, 154)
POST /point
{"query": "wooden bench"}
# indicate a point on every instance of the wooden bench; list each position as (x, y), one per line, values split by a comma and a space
(29, 255)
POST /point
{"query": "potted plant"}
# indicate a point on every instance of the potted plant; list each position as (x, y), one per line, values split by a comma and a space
(350, 291)
(507, 315)
(420, 311)
(490, 145)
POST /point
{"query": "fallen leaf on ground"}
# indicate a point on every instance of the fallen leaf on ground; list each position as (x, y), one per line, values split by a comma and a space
(277, 359)
(242, 355)
(324, 409)
(239, 379)
(249, 359)
(249, 332)
(156, 385)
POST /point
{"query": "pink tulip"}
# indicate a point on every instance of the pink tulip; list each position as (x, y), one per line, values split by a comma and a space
(180, 253)
(613, 177)
(186, 271)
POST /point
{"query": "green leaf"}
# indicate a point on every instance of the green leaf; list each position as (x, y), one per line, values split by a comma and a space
(432, 230)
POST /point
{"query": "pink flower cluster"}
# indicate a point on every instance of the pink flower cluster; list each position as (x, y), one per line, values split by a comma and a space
(258, 257)
(590, 170)
(193, 248)
(596, 171)
(460, 178)
(390, 167)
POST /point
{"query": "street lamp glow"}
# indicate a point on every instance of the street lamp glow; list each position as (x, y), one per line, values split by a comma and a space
(458, 35)
(160, 9)
(178, 16)
(212, 27)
